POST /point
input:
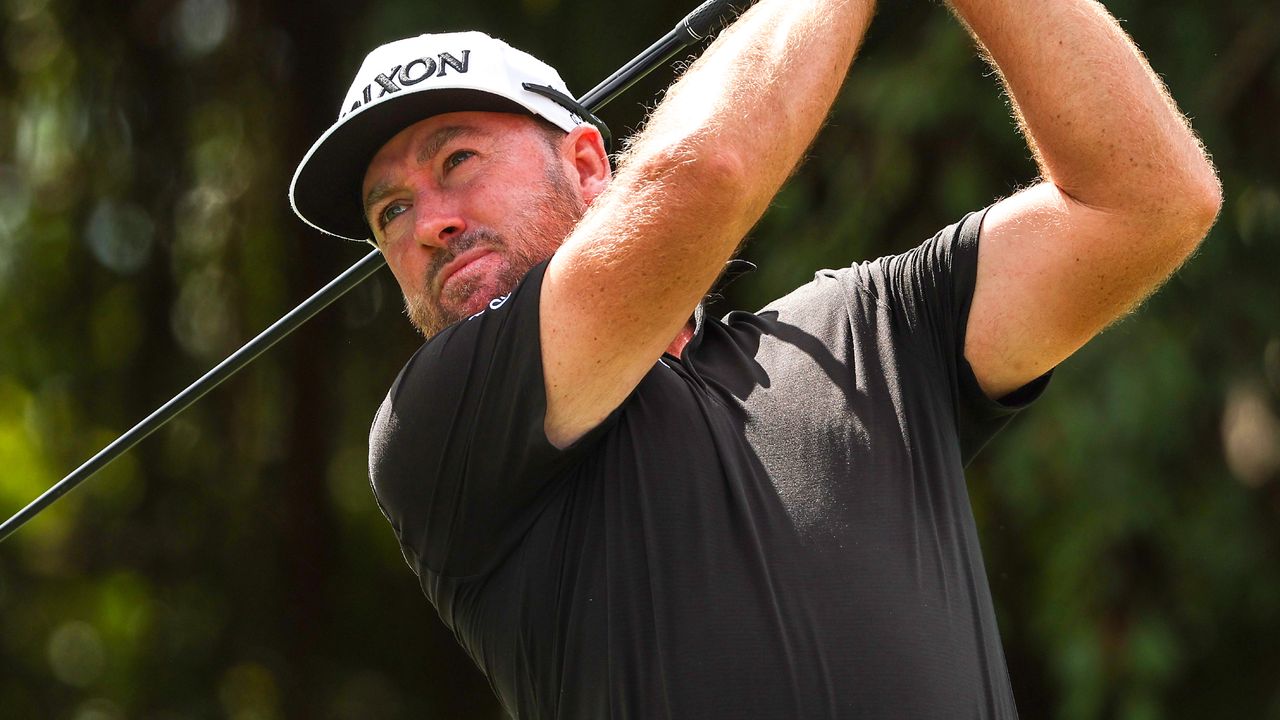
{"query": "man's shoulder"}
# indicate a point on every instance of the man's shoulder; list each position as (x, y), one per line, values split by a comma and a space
(830, 289)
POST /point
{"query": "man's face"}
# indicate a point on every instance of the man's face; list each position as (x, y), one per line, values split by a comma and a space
(463, 205)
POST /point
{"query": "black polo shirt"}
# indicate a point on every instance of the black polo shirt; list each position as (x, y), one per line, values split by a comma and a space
(774, 525)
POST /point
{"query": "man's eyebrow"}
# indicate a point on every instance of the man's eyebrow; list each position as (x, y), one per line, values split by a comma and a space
(443, 137)
(376, 194)
(429, 149)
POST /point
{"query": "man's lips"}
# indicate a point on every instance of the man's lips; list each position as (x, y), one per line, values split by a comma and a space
(459, 263)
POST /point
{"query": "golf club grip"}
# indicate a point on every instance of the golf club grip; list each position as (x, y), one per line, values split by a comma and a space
(695, 27)
(699, 22)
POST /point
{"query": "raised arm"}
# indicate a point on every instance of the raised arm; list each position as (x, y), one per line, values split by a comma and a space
(1127, 191)
(698, 177)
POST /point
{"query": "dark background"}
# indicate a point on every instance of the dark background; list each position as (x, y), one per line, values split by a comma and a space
(234, 564)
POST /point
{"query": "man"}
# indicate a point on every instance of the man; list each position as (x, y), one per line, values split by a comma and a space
(624, 513)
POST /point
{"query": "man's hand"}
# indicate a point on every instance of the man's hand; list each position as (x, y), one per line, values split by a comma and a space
(1127, 191)
(705, 168)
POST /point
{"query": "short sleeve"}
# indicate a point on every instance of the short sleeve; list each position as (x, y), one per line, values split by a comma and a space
(929, 290)
(458, 456)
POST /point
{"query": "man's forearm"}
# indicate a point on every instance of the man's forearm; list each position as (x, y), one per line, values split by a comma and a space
(754, 100)
(764, 87)
(1099, 121)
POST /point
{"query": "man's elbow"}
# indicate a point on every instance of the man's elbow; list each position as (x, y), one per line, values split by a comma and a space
(709, 182)
(1208, 198)
(1191, 205)
(724, 172)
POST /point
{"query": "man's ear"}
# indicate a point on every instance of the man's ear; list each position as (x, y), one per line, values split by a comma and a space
(584, 148)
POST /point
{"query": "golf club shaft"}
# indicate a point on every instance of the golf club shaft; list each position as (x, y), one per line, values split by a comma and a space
(693, 28)
(225, 369)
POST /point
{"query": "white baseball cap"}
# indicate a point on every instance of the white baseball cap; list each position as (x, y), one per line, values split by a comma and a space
(402, 83)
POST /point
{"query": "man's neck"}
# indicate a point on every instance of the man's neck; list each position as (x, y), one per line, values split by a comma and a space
(682, 338)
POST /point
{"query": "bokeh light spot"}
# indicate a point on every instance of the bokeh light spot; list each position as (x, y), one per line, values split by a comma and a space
(76, 653)
(50, 132)
(120, 236)
(1251, 435)
(203, 222)
(201, 25)
(201, 318)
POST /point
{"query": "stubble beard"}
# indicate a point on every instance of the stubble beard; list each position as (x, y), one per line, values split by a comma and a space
(530, 239)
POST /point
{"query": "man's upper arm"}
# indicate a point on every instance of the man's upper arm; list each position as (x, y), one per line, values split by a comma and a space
(1052, 273)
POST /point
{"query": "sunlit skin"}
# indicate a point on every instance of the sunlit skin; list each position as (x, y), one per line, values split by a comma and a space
(462, 205)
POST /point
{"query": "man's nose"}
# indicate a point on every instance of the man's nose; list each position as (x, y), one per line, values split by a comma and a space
(438, 226)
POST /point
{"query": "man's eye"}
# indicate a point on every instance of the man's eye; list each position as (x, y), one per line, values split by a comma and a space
(456, 159)
(391, 212)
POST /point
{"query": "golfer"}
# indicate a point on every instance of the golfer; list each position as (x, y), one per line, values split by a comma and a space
(624, 508)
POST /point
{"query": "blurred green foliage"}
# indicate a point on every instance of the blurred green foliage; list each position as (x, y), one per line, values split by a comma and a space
(234, 565)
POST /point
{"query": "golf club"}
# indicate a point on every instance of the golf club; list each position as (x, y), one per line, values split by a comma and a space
(694, 28)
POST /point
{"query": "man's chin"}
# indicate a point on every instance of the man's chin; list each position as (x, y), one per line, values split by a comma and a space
(431, 317)
(463, 296)
(426, 316)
